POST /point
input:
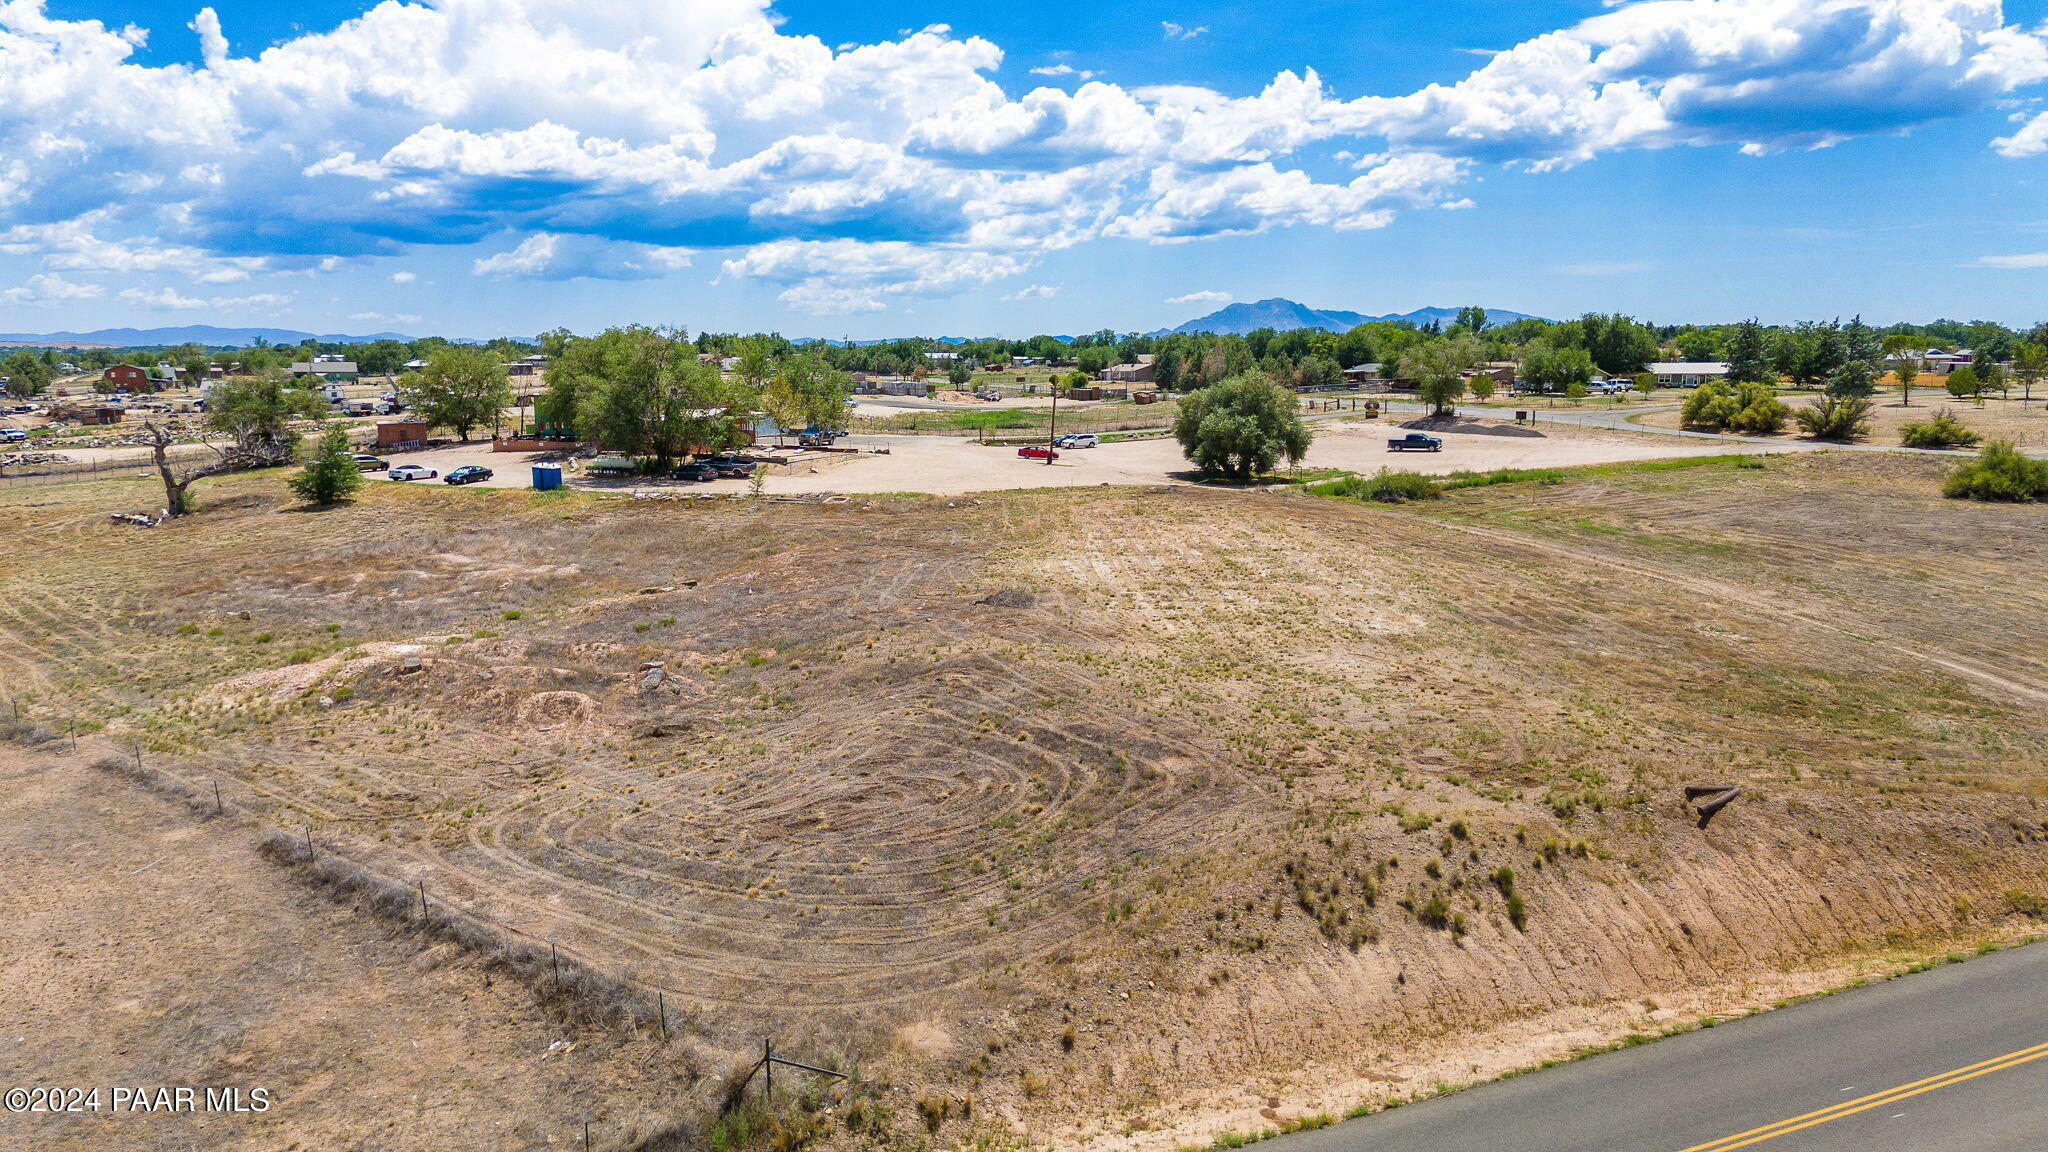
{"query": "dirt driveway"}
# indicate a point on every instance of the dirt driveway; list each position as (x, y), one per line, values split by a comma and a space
(944, 465)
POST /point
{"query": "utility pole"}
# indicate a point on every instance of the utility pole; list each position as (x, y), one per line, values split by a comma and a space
(1052, 433)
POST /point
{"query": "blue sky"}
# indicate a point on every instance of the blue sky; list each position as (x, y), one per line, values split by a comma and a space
(476, 167)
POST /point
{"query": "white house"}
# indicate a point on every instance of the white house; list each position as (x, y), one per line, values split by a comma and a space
(1943, 363)
(1687, 373)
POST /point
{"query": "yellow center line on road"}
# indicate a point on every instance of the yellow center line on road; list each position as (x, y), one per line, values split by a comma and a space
(1875, 1099)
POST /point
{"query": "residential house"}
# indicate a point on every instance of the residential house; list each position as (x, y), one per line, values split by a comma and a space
(1943, 363)
(1687, 373)
(125, 378)
(1141, 371)
(332, 369)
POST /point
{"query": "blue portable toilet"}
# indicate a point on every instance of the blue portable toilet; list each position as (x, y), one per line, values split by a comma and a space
(547, 477)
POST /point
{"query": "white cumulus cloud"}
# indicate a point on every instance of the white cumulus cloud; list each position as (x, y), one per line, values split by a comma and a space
(1201, 298)
(859, 174)
(2030, 140)
(44, 289)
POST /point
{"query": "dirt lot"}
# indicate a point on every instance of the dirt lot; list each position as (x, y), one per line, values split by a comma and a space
(947, 465)
(2023, 423)
(1100, 815)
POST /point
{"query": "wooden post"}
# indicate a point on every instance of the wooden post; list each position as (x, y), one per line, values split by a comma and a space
(217, 807)
(768, 1066)
(586, 1132)
(553, 963)
(661, 1010)
(423, 899)
(309, 841)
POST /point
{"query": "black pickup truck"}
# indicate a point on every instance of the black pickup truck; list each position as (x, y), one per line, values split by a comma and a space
(1414, 442)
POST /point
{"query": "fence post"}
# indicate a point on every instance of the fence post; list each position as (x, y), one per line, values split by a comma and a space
(768, 1066)
(554, 964)
(423, 900)
(309, 842)
(661, 1010)
(217, 807)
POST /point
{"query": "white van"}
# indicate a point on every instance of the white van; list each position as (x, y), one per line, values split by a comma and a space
(1077, 440)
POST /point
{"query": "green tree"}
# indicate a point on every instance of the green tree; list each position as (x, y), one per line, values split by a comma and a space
(1482, 386)
(2029, 365)
(1438, 369)
(331, 476)
(1575, 391)
(1555, 369)
(1319, 372)
(1906, 369)
(1749, 355)
(1241, 427)
(642, 392)
(1963, 382)
(1854, 380)
(1645, 383)
(27, 374)
(959, 373)
(257, 412)
(460, 388)
(807, 392)
(756, 367)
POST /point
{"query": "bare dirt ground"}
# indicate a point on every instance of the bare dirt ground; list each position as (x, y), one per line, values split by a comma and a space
(1103, 815)
(2023, 423)
(144, 949)
(948, 466)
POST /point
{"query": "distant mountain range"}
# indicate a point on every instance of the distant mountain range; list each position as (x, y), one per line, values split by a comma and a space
(1286, 315)
(205, 334)
(1235, 319)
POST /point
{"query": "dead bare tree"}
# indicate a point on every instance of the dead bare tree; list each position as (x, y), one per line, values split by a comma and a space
(238, 455)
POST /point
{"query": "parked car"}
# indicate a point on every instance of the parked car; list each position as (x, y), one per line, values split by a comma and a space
(468, 474)
(694, 472)
(1414, 442)
(412, 472)
(988, 394)
(369, 463)
(12, 435)
(732, 466)
(1078, 440)
(1037, 452)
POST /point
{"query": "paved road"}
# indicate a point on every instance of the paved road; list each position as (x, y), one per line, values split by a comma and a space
(1954, 1060)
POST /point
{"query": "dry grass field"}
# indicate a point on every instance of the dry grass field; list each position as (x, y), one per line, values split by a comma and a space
(1114, 816)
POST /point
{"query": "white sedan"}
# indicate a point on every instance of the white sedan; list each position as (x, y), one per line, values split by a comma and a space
(413, 472)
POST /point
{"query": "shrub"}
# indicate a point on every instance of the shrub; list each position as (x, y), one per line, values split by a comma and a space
(331, 475)
(1836, 418)
(1717, 406)
(1384, 487)
(1999, 473)
(2028, 903)
(1942, 430)
(513, 613)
